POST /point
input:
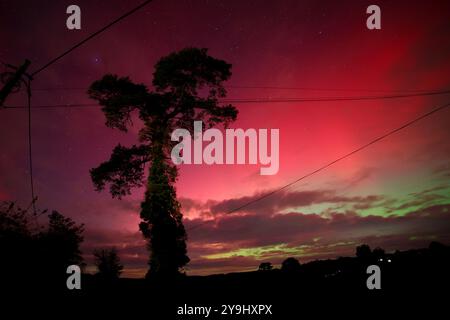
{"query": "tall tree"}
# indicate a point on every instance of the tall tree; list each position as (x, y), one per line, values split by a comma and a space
(187, 87)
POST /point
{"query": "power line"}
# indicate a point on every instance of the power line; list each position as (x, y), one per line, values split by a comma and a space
(348, 98)
(30, 78)
(13, 81)
(331, 163)
(61, 89)
(57, 106)
(264, 88)
(90, 37)
(265, 100)
(30, 149)
(319, 89)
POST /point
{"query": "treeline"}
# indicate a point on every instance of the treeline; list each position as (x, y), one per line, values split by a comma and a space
(37, 247)
(364, 255)
(34, 253)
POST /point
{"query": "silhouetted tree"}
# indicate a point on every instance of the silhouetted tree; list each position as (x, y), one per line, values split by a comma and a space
(363, 251)
(290, 265)
(108, 264)
(16, 240)
(13, 220)
(26, 245)
(59, 244)
(435, 246)
(265, 266)
(378, 253)
(187, 85)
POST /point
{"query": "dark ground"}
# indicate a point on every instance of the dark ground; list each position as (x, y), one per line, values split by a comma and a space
(414, 281)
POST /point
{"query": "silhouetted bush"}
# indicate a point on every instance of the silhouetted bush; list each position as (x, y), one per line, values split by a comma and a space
(265, 266)
(363, 251)
(378, 253)
(290, 265)
(437, 247)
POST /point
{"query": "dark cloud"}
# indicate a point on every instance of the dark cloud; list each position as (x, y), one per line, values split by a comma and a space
(294, 229)
(421, 199)
(307, 236)
(283, 200)
(443, 170)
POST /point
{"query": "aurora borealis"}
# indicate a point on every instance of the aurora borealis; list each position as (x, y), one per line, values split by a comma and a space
(394, 194)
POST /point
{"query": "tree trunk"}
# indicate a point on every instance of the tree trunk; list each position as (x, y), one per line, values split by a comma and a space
(162, 220)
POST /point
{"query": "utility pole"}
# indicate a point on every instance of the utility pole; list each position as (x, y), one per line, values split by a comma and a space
(13, 81)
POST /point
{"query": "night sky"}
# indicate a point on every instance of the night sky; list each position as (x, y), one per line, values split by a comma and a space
(394, 194)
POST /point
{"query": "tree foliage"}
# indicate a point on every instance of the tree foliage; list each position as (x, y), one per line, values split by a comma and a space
(123, 171)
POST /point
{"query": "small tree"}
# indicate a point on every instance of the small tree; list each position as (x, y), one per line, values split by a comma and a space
(108, 264)
(290, 265)
(59, 246)
(13, 221)
(363, 251)
(378, 253)
(265, 266)
(64, 236)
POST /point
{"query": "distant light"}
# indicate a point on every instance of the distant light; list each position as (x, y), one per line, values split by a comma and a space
(389, 260)
(380, 259)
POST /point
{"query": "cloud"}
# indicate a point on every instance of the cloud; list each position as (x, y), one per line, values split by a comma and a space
(312, 236)
(276, 227)
(436, 195)
(262, 229)
(443, 170)
(283, 200)
(208, 266)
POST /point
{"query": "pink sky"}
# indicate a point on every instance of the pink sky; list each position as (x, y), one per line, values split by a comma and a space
(394, 194)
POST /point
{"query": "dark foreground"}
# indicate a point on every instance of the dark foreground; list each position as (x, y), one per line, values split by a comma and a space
(410, 280)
